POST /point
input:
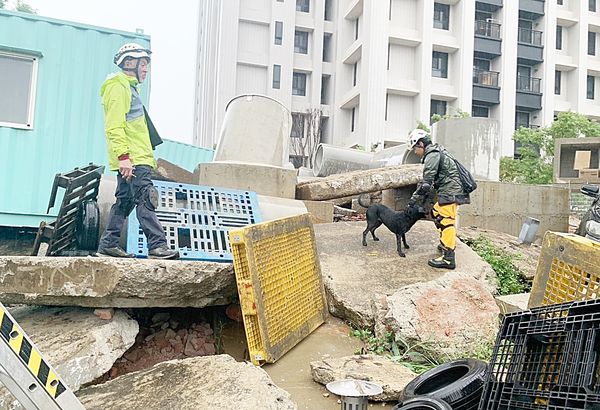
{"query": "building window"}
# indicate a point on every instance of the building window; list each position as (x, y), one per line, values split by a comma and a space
(559, 2)
(297, 126)
(438, 107)
(276, 76)
(557, 81)
(299, 84)
(592, 6)
(480, 111)
(353, 118)
(356, 28)
(591, 43)
(441, 16)
(521, 120)
(325, 81)
(439, 64)
(559, 31)
(591, 87)
(303, 6)
(327, 57)
(354, 73)
(18, 84)
(328, 10)
(278, 32)
(301, 42)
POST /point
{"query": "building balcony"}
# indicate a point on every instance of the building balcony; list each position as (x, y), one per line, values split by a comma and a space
(485, 87)
(487, 40)
(529, 95)
(530, 50)
(531, 9)
(488, 5)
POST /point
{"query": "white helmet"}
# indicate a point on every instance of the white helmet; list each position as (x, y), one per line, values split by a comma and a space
(416, 135)
(131, 50)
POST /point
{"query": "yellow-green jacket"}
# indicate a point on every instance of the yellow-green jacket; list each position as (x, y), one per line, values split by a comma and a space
(124, 122)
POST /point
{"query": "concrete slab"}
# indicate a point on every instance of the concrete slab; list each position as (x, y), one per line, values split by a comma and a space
(513, 303)
(262, 179)
(111, 282)
(356, 276)
(320, 211)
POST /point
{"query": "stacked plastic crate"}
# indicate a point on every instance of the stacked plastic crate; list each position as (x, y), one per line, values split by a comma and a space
(197, 220)
(547, 357)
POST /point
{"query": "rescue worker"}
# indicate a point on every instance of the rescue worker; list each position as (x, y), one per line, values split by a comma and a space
(130, 153)
(440, 173)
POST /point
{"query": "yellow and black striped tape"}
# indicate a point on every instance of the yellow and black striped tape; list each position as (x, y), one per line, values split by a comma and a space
(14, 336)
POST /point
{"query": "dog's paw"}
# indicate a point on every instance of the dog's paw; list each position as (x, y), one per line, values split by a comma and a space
(364, 244)
(401, 255)
(376, 239)
(406, 246)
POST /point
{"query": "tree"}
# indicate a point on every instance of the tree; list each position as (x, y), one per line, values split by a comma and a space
(458, 113)
(25, 8)
(2, 4)
(536, 148)
(305, 136)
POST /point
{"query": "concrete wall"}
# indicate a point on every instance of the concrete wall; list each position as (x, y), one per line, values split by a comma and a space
(503, 207)
(564, 159)
(475, 142)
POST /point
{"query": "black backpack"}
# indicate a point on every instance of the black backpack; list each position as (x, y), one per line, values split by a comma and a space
(466, 179)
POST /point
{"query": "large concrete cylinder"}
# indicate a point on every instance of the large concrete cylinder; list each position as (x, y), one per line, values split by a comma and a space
(397, 155)
(256, 129)
(330, 160)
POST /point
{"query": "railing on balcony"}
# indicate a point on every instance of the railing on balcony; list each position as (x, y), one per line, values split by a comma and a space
(484, 77)
(529, 84)
(487, 29)
(529, 36)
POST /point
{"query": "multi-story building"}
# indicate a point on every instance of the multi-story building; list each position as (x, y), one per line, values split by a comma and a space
(373, 68)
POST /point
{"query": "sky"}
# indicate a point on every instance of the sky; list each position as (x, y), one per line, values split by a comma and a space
(173, 28)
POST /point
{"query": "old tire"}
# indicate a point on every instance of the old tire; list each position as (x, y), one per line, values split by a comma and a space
(459, 383)
(87, 226)
(423, 403)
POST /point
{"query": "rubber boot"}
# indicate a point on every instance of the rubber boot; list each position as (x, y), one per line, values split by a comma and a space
(446, 261)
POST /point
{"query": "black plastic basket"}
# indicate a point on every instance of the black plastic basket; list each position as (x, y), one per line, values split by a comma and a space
(546, 358)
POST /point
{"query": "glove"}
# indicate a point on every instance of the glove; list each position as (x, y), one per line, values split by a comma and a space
(411, 203)
(424, 188)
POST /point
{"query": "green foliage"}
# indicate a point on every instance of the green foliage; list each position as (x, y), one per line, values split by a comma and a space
(2, 4)
(422, 126)
(510, 278)
(25, 8)
(536, 151)
(458, 113)
(418, 357)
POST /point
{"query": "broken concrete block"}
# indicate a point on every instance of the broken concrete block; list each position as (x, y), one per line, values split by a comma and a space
(354, 274)
(513, 303)
(262, 179)
(208, 382)
(455, 315)
(320, 211)
(173, 172)
(80, 346)
(104, 314)
(358, 182)
(392, 377)
(272, 208)
(113, 282)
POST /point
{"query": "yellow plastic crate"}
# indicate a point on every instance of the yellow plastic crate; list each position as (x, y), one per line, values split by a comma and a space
(279, 284)
(568, 270)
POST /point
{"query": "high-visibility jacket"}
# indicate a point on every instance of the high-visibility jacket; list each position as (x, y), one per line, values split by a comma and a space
(124, 122)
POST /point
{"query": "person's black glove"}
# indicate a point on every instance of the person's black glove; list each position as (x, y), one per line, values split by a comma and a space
(411, 203)
(424, 188)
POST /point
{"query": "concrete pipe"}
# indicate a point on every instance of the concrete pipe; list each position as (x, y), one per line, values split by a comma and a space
(256, 129)
(329, 160)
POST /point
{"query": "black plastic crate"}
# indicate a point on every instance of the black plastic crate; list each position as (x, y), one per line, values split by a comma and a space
(546, 358)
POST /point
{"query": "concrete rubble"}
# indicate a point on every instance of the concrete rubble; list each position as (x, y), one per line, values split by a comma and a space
(79, 345)
(455, 314)
(111, 282)
(358, 182)
(392, 377)
(355, 275)
(513, 303)
(210, 382)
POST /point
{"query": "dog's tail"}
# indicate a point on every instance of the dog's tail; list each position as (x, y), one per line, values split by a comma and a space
(364, 200)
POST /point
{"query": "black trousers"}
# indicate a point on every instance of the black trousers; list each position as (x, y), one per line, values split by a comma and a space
(134, 194)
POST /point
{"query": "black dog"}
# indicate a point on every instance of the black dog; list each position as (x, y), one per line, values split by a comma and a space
(397, 222)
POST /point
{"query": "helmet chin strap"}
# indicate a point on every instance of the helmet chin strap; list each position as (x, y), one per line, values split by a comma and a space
(135, 70)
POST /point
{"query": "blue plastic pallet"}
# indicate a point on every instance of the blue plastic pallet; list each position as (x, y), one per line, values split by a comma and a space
(196, 220)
